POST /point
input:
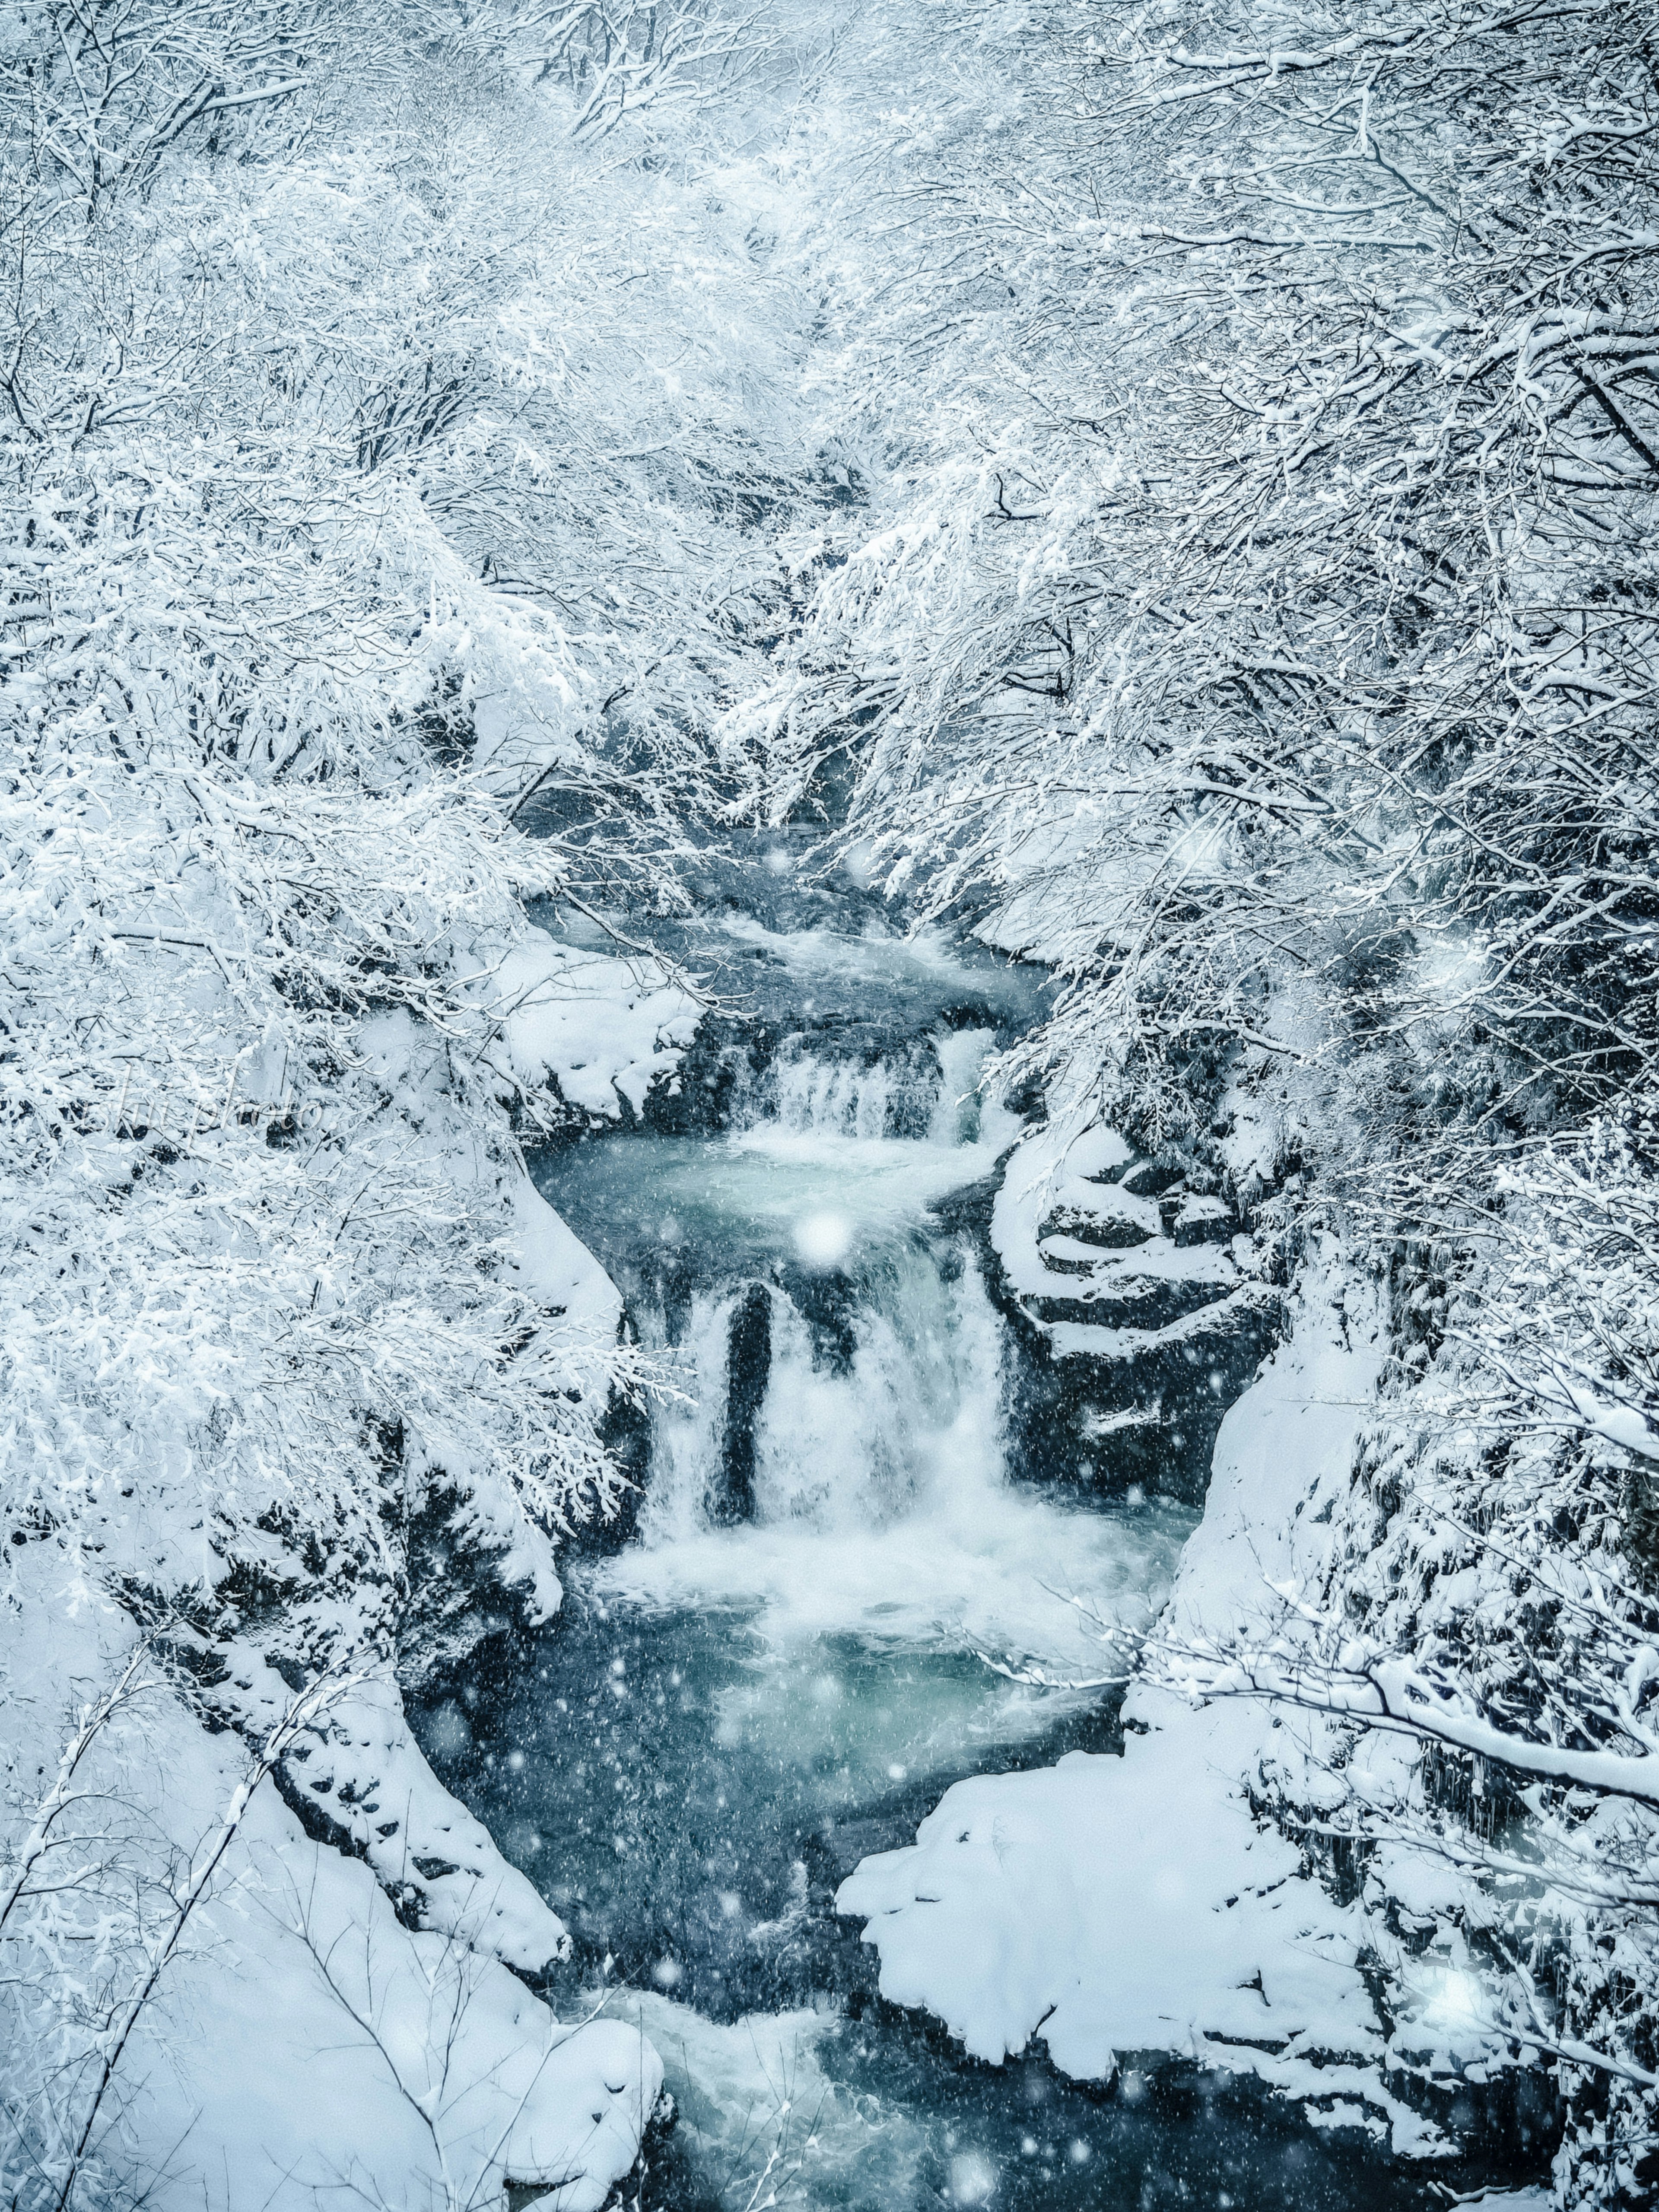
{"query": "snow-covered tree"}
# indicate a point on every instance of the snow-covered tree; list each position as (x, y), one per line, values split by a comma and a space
(378, 528)
(1254, 615)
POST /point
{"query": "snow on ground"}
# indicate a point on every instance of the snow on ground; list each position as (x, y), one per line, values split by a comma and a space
(312, 2042)
(1135, 1905)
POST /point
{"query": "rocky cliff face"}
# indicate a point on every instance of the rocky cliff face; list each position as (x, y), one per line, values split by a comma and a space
(1140, 1302)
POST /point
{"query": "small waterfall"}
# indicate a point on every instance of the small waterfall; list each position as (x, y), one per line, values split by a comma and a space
(826, 1097)
(834, 1457)
(920, 1404)
(820, 1384)
(959, 1115)
(774, 1428)
(812, 1091)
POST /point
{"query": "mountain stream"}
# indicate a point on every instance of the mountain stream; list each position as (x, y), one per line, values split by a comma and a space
(791, 1656)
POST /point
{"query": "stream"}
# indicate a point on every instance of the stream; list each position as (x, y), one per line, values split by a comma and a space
(789, 1660)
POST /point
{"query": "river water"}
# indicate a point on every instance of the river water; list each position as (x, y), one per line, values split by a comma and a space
(789, 1658)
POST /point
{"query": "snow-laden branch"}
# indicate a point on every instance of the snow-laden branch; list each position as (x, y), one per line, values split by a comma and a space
(1396, 1693)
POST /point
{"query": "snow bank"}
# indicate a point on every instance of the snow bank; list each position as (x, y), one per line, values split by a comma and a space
(604, 1029)
(557, 1268)
(1510, 2200)
(301, 2040)
(368, 1782)
(1135, 1905)
(312, 2042)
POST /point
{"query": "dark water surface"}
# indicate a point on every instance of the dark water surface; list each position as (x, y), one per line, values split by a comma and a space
(689, 1794)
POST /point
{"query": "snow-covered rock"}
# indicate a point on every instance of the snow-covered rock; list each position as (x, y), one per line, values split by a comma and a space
(1139, 1299)
(365, 1783)
(604, 1029)
(559, 1271)
(1081, 1223)
(314, 2042)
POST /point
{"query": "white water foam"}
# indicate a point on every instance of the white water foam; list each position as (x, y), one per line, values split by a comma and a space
(935, 1086)
(831, 1098)
(768, 2123)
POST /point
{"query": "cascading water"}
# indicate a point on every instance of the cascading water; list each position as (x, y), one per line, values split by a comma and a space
(786, 1664)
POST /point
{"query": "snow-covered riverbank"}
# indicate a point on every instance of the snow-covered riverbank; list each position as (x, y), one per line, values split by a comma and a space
(764, 779)
(1122, 1906)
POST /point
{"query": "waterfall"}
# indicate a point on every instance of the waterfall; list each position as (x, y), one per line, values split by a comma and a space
(821, 1373)
(815, 1096)
(774, 1427)
(780, 1669)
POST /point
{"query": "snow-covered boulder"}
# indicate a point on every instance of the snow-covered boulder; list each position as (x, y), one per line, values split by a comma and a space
(1141, 1300)
(604, 1029)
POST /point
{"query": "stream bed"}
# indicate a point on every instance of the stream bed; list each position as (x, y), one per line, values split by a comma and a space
(797, 1648)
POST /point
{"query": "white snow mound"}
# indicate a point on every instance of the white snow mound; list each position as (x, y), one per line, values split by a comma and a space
(604, 1029)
